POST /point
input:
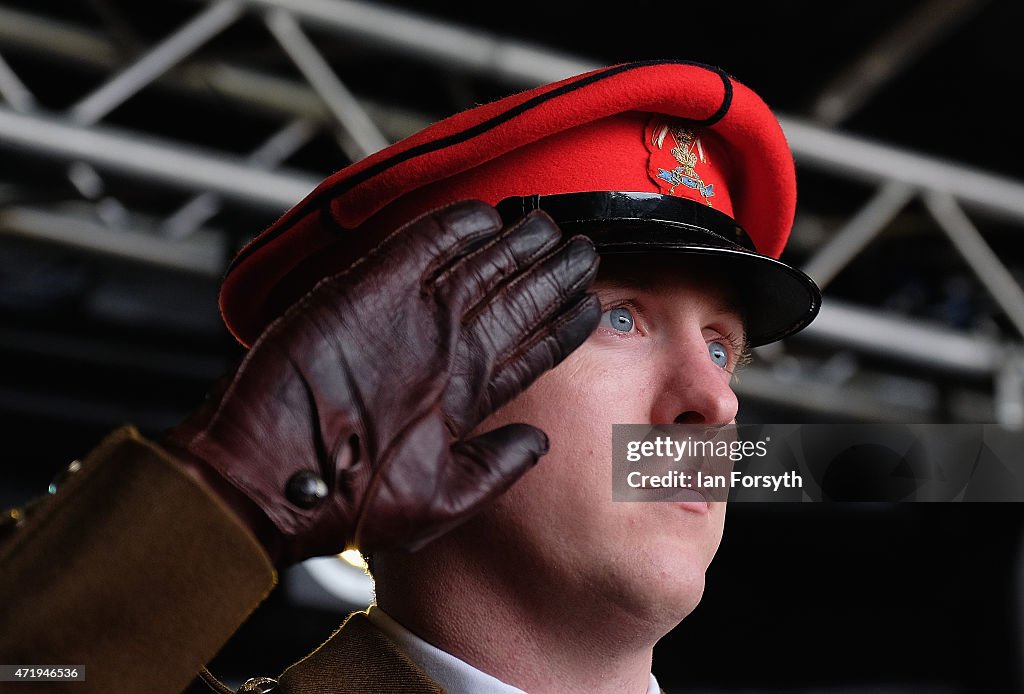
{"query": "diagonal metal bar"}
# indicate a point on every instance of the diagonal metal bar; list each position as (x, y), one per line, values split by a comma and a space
(350, 115)
(283, 143)
(13, 90)
(275, 150)
(158, 60)
(256, 91)
(135, 77)
(885, 59)
(858, 232)
(979, 256)
(82, 176)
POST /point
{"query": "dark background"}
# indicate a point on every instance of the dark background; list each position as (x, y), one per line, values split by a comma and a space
(808, 597)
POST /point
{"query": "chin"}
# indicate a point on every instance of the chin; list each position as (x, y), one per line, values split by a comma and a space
(662, 586)
(682, 595)
(682, 586)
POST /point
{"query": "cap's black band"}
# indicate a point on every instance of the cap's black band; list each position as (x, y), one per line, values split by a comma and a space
(777, 299)
(611, 218)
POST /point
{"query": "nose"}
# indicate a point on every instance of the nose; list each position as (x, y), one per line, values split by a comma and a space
(693, 389)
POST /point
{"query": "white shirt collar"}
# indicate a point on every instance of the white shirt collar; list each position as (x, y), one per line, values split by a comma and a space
(454, 675)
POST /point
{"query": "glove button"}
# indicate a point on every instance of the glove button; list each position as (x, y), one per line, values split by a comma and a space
(305, 489)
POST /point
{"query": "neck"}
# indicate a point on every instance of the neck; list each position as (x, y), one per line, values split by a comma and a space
(525, 635)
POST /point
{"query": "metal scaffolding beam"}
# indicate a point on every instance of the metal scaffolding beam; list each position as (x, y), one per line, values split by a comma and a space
(865, 160)
(845, 244)
(175, 164)
(898, 338)
(203, 253)
(898, 175)
(266, 93)
(837, 152)
(178, 45)
(812, 145)
(443, 43)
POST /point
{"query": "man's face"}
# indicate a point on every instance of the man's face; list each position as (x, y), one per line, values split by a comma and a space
(665, 351)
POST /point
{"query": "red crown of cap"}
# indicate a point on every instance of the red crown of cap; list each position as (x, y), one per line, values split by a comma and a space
(674, 128)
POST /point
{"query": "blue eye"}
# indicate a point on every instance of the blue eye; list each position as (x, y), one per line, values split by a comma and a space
(719, 354)
(619, 319)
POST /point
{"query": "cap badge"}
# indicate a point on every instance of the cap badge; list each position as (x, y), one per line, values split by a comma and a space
(685, 150)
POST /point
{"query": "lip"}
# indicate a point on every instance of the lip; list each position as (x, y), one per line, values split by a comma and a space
(692, 501)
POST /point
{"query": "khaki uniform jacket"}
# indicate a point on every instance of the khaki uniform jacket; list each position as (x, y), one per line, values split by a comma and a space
(135, 571)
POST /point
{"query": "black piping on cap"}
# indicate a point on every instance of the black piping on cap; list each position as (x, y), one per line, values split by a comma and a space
(778, 300)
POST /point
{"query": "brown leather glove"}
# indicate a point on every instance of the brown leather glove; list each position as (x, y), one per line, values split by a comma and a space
(346, 423)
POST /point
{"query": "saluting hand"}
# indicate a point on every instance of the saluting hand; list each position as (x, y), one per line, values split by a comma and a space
(347, 422)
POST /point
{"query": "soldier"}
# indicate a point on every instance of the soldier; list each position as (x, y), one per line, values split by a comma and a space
(425, 327)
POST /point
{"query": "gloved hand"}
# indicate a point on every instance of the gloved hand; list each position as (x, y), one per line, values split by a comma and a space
(346, 424)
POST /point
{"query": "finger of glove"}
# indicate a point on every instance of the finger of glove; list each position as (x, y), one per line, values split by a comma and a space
(524, 306)
(476, 275)
(544, 350)
(534, 300)
(481, 469)
(424, 481)
(427, 245)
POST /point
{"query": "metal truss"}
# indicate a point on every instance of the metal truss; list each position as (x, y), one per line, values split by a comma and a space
(819, 371)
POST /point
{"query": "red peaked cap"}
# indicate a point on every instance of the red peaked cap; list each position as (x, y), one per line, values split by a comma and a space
(685, 148)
